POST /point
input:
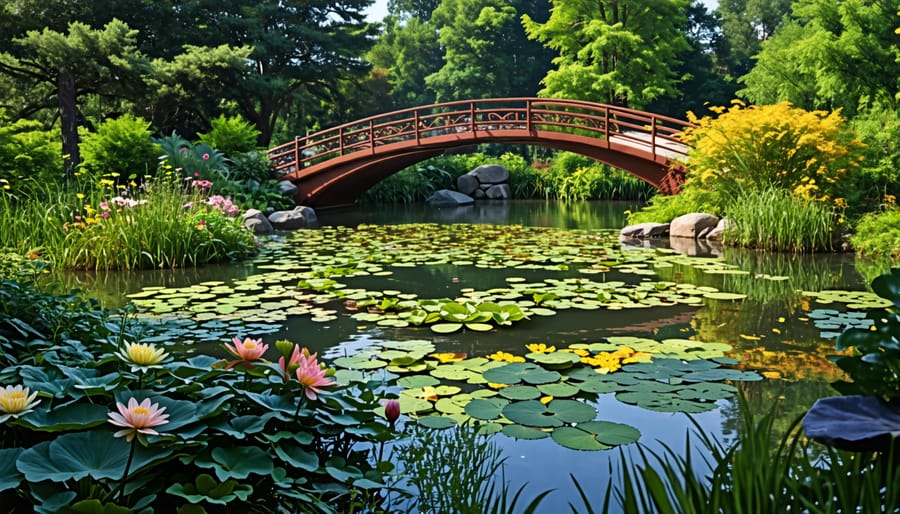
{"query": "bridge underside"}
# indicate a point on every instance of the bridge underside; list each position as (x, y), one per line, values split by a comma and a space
(341, 181)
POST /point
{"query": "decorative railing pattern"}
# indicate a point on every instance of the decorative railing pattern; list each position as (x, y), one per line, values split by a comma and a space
(655, 134)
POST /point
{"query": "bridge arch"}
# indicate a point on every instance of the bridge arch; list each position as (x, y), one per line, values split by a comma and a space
(334, 167)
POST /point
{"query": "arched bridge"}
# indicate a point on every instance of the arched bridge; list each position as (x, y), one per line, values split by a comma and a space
(335, 166)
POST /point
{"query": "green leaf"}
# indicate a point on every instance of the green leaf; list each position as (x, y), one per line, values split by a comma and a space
(297, 457)
(241, 462)
(555, 414)
(10, 477)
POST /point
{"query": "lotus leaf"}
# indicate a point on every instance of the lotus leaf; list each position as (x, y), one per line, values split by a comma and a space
(554, 414)
(437, 422)
(516, 372)
(523, 432)
(520, 393)
(487, 409)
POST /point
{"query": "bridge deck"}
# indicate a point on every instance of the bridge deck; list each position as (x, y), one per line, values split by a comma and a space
(344, 161)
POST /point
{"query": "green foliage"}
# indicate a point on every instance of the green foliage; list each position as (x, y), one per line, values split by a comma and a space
(247, 435)
(120, 147)
(776, 219)
(573, 177)
(192, 160)
(615, 52)
(231, 136)
(756, 473)
(409, 185)
(254, 194)
(27, 151)
(878, 234)
(874, 364)
(251, 166)
(879, 130)
(665, 208)
(458, 470)
(836, 55)
(100, 230)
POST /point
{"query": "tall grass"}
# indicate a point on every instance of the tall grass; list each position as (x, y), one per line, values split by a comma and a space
(167, 225)
(755, 474)
(459, 471)
(776, 219)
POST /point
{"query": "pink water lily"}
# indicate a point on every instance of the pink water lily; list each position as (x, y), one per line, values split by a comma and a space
(290, 366)
(391, 410)
(138, 418)
(246, 351)
(311, 375)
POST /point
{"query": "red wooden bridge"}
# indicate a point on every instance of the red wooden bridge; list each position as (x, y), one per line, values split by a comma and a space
(335, 166)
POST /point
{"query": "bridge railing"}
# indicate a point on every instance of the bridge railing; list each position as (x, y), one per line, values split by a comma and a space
(504, 116)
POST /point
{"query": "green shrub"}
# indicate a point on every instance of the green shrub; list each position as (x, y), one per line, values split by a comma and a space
(251, 166)
(192, 161)
(28, 152)
(879, 130)
(231, 136)
(878, 234)
(665, 208)
(776, 219)
(120, 148)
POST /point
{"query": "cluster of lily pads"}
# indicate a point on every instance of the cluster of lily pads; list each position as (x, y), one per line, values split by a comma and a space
(549, 392)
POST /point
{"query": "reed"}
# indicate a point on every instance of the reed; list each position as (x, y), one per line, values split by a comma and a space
(756, 473)
(775, 219)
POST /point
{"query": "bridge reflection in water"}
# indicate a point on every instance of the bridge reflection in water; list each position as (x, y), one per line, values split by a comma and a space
(334, 167)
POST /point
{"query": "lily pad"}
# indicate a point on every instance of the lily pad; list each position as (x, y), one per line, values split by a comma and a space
(554, 414)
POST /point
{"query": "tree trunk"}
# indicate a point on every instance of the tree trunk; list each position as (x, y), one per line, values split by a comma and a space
(68, 117)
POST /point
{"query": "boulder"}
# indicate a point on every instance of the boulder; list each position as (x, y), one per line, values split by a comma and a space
(467, 184)
(257, 222)
(490, 174)
(287, 188)
(717, 232)
(498, 192)
(644, 230)
(448, 198)
(299, 217)
(691, 225)
(478, 194)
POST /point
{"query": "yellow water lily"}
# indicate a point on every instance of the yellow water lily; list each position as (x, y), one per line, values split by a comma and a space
(505, 357)
(540, 348)
(444, 358)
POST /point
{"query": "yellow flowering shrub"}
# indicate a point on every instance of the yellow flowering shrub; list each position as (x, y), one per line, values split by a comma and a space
(810, 153)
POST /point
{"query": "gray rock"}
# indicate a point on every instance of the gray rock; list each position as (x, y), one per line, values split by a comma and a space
(300, 217)
(491, 174)
(498, 192)
(644, 230)
(691, 225)
(467, 184)
(257, 222)
(287, 188)
(478, 194)
(447, 198)
(718, 232)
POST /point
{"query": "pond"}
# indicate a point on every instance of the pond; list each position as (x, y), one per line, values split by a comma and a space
(774, 315)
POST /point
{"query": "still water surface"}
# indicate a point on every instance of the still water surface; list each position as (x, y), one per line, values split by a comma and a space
(771, 331)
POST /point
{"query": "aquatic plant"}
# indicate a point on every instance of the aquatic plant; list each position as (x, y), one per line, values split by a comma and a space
(241, 439)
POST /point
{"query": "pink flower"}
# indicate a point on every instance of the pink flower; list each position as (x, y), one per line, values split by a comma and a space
(311, 375)
(391, 410)
(247, 351)
(206, 157)
(138, 418)
(104, 206)
(104, 214)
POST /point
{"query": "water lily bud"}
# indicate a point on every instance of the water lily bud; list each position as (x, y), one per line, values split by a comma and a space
(392, 410)
(284, 347)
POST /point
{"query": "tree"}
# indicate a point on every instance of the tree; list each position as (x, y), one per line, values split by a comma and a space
(301, 49)
(838, 54)
(486, 51)
(80, 62)
(409, 51)
(745, 25)
(619, 52)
